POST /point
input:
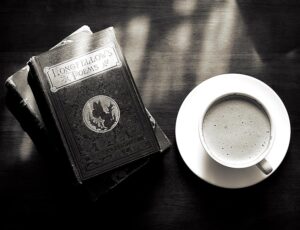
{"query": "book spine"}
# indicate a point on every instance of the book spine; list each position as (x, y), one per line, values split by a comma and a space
(26, 117)
(18, 101)
(48, 112)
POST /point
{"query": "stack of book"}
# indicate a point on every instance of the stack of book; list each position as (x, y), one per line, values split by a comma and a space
(79, 99)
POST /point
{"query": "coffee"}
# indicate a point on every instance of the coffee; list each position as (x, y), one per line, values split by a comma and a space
(236, 129)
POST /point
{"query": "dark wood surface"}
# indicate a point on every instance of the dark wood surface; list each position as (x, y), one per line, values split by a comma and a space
(171, 47)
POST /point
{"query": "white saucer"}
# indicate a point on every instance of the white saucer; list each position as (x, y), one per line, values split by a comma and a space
(188, 140)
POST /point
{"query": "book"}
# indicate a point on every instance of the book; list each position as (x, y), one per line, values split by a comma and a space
(21, 103)
(91, 106)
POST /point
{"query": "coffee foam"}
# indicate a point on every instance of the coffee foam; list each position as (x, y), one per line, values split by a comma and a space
(236, 129)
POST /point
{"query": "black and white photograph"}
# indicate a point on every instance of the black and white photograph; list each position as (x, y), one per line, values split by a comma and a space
(150, 114)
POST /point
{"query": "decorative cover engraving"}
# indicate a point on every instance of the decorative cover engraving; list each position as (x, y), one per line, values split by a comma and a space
(77, 69)
(101, 114)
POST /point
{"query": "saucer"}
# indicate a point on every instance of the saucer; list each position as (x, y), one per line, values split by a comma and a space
(188, 141)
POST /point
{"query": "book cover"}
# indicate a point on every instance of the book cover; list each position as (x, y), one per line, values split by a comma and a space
(90, 103)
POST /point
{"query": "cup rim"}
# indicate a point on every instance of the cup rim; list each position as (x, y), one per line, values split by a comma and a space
(242, 164)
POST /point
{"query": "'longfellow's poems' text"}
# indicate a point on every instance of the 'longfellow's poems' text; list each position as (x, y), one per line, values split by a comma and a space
(77, 69)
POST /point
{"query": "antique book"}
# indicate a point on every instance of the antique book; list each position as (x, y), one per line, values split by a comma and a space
(91, 106)
(21, 103)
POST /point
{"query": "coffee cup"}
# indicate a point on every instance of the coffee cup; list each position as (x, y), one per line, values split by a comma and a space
(236, 131)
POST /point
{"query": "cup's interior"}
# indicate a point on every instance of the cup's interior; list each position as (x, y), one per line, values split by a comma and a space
(236, 130)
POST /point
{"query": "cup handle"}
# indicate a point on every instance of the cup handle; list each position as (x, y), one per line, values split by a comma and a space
(265, 166)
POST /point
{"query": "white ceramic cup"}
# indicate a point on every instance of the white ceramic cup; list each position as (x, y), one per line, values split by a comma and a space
(236, 131)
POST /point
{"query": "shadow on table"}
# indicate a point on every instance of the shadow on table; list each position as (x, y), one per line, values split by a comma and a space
(274, 26)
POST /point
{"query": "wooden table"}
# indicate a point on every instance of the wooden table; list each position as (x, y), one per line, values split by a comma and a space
(171, 47)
